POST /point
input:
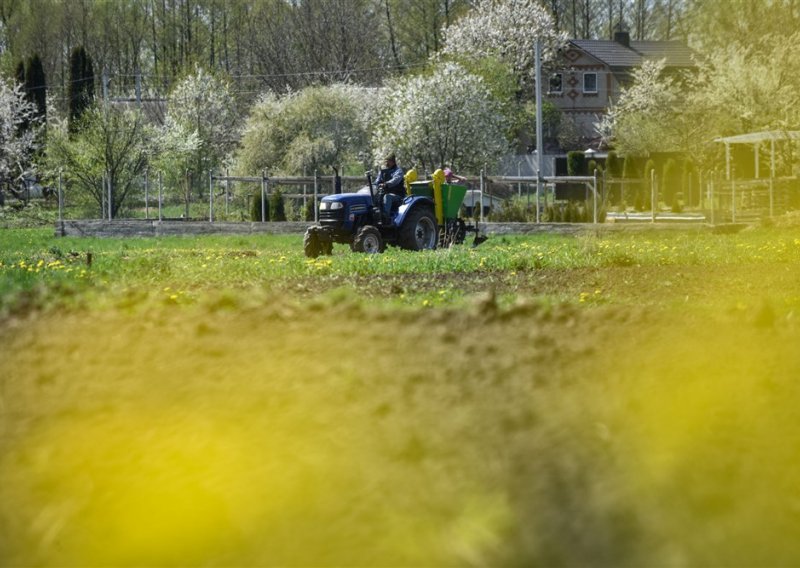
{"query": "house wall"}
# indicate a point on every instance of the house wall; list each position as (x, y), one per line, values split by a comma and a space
(584, 107)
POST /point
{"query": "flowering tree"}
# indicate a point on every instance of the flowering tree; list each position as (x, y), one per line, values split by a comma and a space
(17, 143)
(173, 152)
(202, 103)
(448, 117)
(316, 128)
(506, 30)
(642, 120)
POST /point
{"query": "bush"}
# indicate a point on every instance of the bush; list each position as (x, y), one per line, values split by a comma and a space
(576, 163)
(613, 165)
(647, 198)
(308, 210)
(514, 210)
(574, 212)
(670, 185)
(277, 206)
(690, 184)
(255, 207)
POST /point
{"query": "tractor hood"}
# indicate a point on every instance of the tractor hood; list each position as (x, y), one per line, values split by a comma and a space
(344, 200)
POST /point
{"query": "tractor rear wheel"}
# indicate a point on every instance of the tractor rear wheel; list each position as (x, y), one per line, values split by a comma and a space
(419, 231)
(368, 240)
(311, 244)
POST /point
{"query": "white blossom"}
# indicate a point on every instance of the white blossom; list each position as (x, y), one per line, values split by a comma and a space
(507, 30)
(202, 104)
(446, 118)
(16, 144)
(642, 120)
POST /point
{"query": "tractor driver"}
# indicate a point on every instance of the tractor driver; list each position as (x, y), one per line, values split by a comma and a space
(390, 180)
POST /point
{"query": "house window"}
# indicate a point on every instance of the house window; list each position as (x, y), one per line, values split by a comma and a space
(555, 83)
(590, 82)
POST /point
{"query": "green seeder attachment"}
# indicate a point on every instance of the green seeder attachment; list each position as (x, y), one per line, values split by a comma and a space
(452, 196)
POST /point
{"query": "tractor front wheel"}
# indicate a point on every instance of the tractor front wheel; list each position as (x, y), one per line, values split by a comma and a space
(311, 244)
(419, 231)
(368, 240)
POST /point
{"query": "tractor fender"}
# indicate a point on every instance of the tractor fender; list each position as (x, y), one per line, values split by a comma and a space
(409, 203)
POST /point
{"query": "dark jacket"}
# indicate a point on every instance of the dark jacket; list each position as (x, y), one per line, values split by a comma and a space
(392, 178)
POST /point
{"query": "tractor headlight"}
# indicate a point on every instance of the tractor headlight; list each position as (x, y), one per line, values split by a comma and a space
(332, 205)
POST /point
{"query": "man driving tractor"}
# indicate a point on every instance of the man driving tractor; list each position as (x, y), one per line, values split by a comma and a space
(390, 181)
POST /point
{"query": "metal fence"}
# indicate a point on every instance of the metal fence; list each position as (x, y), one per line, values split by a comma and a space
(223, 197)
(218, 197)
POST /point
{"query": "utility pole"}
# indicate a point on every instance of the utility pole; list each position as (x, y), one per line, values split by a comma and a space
(539, 136)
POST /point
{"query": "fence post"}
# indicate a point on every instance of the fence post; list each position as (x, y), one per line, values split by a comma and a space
(210, 196)
(480, 194)
(110, 199)
(538, 193)
(771, 176)
(594, 214)
(713, 204)
(188, 194)
(653, 195)
(733, 199)
(60, 199)
(147, 194)
(227, 190)
(305, 198)
(316, 190)
(160, 194)
(263, 196)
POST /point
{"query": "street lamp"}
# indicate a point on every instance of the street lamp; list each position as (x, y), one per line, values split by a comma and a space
(589, 153)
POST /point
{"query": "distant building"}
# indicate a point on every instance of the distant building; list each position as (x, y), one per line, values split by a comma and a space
(590, 74)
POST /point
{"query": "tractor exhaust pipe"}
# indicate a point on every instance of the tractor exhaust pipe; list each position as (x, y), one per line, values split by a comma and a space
(371, 189)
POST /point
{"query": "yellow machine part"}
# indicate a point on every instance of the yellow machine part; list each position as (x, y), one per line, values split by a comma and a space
(438, 181)
(409, 178)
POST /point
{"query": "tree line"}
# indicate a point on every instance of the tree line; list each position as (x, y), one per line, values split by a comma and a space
(295, 86)
(275, 44)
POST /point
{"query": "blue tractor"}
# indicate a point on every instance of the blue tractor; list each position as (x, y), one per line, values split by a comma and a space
(425, 219)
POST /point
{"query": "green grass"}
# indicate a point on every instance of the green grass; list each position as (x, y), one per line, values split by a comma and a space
(38, 268)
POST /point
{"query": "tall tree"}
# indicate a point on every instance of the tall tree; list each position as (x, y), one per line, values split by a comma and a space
(81, 85)
(36, 86)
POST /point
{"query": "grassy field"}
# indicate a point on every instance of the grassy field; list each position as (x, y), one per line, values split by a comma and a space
(618, 400)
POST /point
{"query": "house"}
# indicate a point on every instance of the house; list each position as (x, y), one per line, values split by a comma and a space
(590, 74)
